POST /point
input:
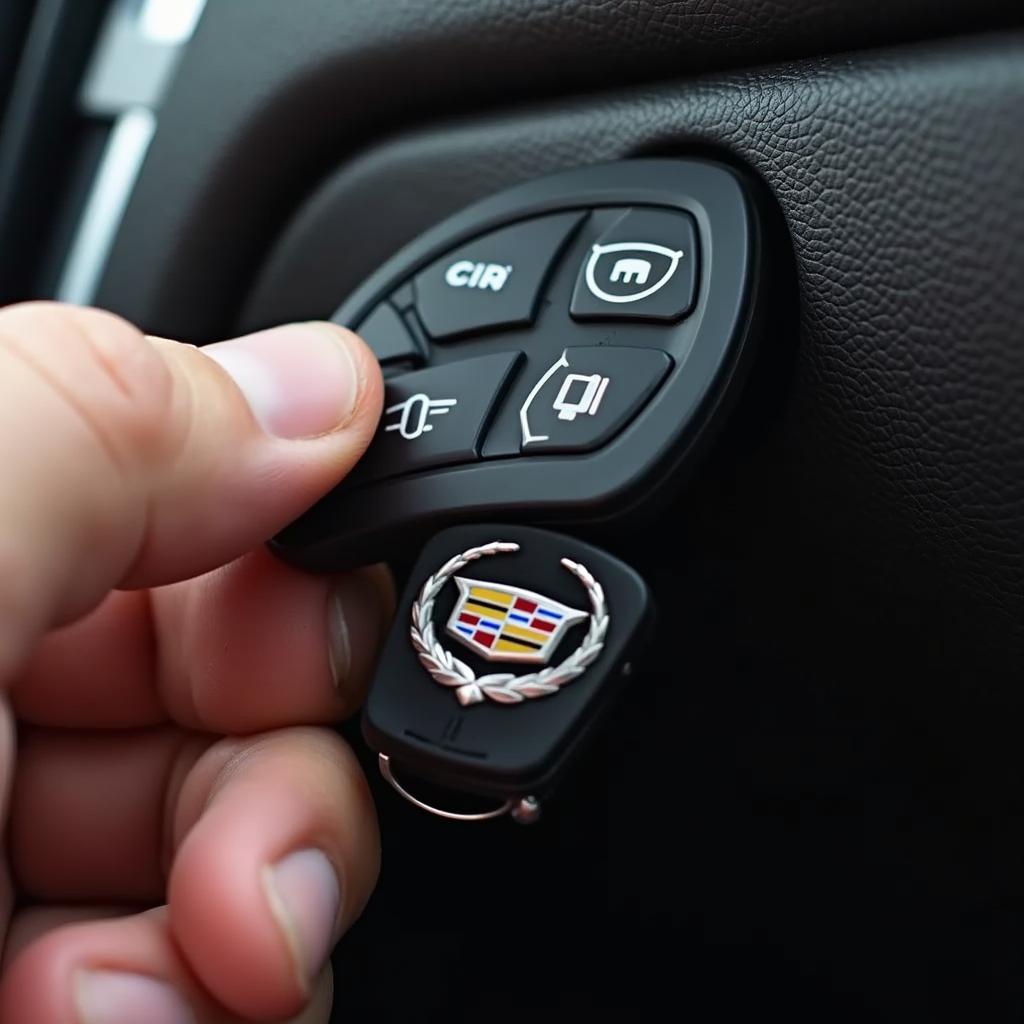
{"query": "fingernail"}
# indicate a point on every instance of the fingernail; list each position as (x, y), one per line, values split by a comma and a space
(304, 896)
(353, 624)
(300, 380)
(116, 997)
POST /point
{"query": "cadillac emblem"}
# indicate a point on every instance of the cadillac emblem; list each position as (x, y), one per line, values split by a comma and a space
(503, 623)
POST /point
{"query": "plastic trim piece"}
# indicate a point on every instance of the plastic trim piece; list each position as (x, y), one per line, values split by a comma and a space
(134, 61)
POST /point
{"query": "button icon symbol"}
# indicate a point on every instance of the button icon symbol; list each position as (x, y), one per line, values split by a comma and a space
(589, 399)
(568, 407)
(414, 413)
(468, 274)
(629, 270)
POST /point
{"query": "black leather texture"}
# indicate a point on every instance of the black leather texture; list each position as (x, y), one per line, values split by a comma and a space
(814, 801)
(270, 97)
(899, 456)
(810, 806)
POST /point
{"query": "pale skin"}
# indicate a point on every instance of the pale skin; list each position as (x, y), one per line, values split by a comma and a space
(187, 836)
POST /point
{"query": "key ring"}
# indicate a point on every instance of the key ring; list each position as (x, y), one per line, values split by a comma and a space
(525, 810)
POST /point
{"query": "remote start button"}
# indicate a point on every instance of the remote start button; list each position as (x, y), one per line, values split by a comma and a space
(642, 268)
(493, 281)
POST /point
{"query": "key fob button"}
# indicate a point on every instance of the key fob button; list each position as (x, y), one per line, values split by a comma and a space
(436, 417)
(577, 403)
(494, 281)
(644, 267)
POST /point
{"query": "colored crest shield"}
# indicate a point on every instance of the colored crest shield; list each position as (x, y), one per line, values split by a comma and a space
(505, 623)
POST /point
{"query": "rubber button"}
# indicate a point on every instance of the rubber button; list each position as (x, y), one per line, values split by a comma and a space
(493, 281)
(583, 399)
(437, 416)
(644, 267)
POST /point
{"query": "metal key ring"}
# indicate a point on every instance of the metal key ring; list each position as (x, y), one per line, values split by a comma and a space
(525, 810)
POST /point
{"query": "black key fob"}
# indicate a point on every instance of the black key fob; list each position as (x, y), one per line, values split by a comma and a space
(508, 645)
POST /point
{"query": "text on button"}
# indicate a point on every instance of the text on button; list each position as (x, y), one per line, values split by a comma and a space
(467, 274)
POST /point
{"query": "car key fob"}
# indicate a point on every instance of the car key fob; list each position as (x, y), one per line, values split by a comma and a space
(562, 352)
(508, 645)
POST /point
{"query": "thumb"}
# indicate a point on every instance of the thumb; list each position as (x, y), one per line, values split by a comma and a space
(133, 461)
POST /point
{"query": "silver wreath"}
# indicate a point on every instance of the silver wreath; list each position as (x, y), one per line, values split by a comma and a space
(503, 687)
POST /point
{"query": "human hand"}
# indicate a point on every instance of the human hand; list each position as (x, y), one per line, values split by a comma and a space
(185, 844)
